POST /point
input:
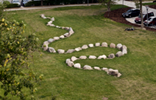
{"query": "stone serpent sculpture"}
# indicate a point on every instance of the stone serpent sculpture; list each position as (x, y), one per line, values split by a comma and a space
(70, 62)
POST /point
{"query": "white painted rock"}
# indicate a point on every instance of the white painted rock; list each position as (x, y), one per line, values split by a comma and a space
(111, 56)
(78, 49)
(70, 51)
(112, 45)
(77, 65)
(52, 19)
(63, 27)
(51, 24)
(66, 34)
(56, 38)
(104, 44)
(67, 28)
(102, 57)
(71, 31)
(45, 45)
(84, 46)
(91, 45)
(97, 68)
(119, 53)
(73, 58)
(60, 51)
(97, 44)
(92, 57)
(105, 69)
(51, 40)
(124, 49)
(114, 73)
(119, 46)
(62, 37)
(83, 57)
(51, 49)
(87, 67)
(69, 63)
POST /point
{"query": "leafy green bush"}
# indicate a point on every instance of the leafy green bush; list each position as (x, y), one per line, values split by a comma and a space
(6, 3)
(15, 73)
(12, 6)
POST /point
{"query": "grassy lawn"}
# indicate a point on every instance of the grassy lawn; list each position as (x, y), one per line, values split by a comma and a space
(138, 80)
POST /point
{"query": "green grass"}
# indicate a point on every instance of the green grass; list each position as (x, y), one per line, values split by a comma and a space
(66, 83)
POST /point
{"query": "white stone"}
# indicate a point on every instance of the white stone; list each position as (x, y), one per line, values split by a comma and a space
(124, 51)
(73, 58)
(66, 34)
(83, 57)
(51, 49)
(97, 68)
(119, 53)
(84, 46)
(77, 65)
(52, 19)
(105, 69)
(91, 45)
(87, 67)
(62, 37)
(50, 22)
(119, 46)
(45, 45)
(78, 49)
(111, 56)
(60, 51)
(97, 44)
(69, 62)
(114, 72)
(56, 38)
(67, 28)
(70, 51)
(51, 40)
(104, 44)
(92, 57)
(112, 45)
(102, 57)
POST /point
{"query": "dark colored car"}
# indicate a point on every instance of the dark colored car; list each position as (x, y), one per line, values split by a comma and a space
(154, 1)
(150, 21)
(145, 17)
(131, 13)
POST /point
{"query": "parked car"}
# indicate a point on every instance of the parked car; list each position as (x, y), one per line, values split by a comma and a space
(131, 13)
(16, 2)
(145, 17)
(154, 1)
(150, 21)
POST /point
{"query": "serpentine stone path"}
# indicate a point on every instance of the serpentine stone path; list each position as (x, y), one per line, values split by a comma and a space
(70, 61)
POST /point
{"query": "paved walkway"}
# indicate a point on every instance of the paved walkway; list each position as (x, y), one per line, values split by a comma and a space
(47, 7)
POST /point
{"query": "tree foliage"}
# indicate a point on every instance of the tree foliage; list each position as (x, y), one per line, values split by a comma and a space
(15, 73)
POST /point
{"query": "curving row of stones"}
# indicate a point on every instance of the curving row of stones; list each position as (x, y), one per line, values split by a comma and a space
(70, 62)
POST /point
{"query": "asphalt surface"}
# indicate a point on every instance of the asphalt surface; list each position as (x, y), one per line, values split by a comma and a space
(49, 7)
